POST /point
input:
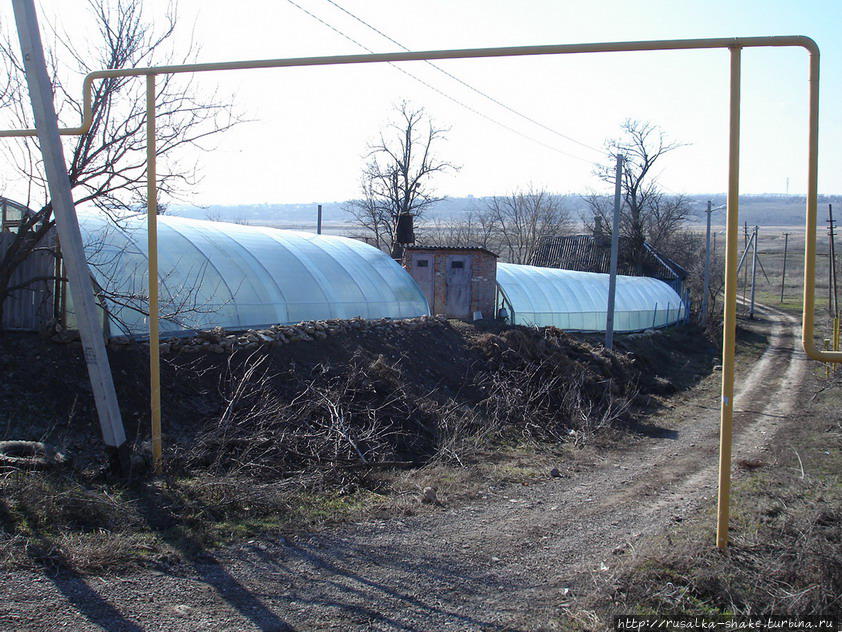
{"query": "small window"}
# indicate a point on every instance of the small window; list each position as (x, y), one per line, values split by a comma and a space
(422, 263)
(457, 264)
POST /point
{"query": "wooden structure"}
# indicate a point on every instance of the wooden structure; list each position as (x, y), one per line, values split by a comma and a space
(34, 303)
(457, 282)
(12, 214)
(36, 300)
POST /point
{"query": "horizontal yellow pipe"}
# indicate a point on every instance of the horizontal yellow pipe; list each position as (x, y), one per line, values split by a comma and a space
(467, 53)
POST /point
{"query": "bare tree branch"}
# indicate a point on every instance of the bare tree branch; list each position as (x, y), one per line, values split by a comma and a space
(523, 218)
(396, 178)
(647, 214)
(107, 165)
(477, 229)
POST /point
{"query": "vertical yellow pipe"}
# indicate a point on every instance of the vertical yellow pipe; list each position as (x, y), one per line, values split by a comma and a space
(152, 235)
(730, 318)
(826, 347)
(807, 318)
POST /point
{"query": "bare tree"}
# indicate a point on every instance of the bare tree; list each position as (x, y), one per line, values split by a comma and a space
(397, 176)
(522, 219)
(372, 218)
(107, 165)
(648, 214)
(476, 228)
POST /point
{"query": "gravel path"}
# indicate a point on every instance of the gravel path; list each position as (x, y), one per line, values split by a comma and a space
(517, 555)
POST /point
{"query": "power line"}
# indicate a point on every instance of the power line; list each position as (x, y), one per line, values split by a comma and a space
(441, 92)
(469, 86)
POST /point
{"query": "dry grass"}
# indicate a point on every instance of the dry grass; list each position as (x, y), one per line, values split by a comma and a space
(58, 521)
(785, 555)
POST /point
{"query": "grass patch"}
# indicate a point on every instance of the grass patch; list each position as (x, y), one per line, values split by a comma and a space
(785, 555)
(55, 521)
(52, 520)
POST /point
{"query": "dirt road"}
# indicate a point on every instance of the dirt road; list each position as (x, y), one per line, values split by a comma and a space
(507, 562)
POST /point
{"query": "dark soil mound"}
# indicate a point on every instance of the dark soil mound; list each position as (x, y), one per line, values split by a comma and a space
(378, 392)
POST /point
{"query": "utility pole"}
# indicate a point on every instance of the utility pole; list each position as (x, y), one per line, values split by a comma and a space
(67, 225)
(783, 273)
(746, 244)
(834, 303)
(744, 255)
(833, 298)
(615, 245)
(829, 275)
(706, 290)
(753, 273)
(706, 287)
(319, 221)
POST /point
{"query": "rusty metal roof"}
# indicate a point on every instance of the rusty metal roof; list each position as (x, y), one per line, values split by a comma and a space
(453, 249)
(588, 254)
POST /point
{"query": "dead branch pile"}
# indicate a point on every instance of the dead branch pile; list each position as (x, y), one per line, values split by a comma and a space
(363, 415)
(533, 386)
(549, 387)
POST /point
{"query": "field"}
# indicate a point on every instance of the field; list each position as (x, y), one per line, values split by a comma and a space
(528, 532)
(772, 288)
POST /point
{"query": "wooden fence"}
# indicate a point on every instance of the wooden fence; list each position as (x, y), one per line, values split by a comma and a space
(33, 306)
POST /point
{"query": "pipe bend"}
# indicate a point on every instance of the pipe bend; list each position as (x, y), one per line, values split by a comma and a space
(822, 356)
(807, 43)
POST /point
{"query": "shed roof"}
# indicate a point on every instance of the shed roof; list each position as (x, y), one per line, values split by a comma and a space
(587, 253)
(452, 249)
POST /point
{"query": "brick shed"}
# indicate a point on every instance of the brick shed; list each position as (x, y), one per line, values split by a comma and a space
(458, 282)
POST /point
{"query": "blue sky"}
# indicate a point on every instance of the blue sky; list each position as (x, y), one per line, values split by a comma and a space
(309, 127)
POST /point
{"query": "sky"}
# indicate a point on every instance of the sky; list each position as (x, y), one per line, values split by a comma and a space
(308, 129)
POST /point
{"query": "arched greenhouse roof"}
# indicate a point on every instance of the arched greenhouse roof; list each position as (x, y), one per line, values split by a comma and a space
(574, 300)
(215, 274)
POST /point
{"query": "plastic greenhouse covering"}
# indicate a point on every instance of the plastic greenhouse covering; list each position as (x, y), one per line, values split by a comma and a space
(573, 300)
(215, 274)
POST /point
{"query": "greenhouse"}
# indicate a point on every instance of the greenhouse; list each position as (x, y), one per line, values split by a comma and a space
(214, 274)
(573, 300)
(237, 277)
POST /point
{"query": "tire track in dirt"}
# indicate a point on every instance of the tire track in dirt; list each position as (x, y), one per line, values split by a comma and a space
(474, 567)
(670, 479)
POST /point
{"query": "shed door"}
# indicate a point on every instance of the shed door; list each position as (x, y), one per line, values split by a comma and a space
(458, 286)
(423, 273)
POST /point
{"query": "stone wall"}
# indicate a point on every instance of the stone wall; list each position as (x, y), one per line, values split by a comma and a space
(484, 285)
(225, 342)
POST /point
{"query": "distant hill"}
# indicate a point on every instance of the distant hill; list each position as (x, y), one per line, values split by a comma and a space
(305, 214)
(764, 210)
(769, 210)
